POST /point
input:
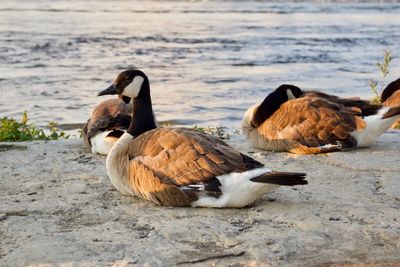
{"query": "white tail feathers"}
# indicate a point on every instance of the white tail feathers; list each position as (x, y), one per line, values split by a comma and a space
(376, 126)
(237, 190)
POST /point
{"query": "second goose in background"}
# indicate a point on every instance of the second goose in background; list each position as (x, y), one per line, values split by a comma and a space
(305, 123)
(108, 121)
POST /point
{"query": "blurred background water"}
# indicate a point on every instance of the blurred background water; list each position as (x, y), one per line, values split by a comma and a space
(207, 61)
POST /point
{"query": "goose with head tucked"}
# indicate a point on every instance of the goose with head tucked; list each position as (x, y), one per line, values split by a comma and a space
(306, 123)
(108, 121)
(180, 166)
(390, 96)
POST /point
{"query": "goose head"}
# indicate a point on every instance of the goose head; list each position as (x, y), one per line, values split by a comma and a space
(287, 92)
(273, 101)
(134, 84)
(129, 84)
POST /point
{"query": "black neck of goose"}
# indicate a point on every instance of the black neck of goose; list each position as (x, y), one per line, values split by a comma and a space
(125, 99)
(390, 89)
(270, 104)
(142, 117)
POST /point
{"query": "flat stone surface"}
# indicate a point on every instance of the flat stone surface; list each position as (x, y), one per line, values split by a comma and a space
(391, 185)
(57, 206)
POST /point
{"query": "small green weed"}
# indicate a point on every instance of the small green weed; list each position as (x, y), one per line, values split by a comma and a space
(384, 70)
(216, 131)
(12, 130)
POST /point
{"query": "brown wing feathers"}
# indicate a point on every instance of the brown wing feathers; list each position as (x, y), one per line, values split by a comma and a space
(313, 121)
(196, 157)
(110, 114)
(364, 106)
(146, 184)
(120, 121)
(164, 159)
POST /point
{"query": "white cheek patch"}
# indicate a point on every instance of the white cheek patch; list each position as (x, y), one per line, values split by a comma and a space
(132, 90)
(290, 94)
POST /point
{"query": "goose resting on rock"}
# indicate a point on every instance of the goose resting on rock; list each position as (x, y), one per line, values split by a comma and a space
(180, 166)
(108, 121)
(312, 122)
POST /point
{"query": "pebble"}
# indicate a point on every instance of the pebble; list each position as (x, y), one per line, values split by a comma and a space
(3, 216)
(16, 212)
(34, 186)
(78, 187)
(391, 186)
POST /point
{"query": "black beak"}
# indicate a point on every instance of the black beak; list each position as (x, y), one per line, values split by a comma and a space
(111, 90)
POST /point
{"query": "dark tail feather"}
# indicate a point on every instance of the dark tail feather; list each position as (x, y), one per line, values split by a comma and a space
(281, 178)
(392, 112)
(250, 162)
(369, 109)
(116, 133)
(390, 89)
(366, 107)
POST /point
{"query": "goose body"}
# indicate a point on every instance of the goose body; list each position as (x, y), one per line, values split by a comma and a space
(297, 122)
(180, 166)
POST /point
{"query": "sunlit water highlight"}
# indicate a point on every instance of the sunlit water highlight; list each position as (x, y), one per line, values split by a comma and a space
(207, 61)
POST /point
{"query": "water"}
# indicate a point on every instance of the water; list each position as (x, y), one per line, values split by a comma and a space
(207, 61)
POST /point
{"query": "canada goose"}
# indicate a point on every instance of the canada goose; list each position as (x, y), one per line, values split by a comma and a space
(297, 122)
(180, 166)
(108, 121)
(391, 94)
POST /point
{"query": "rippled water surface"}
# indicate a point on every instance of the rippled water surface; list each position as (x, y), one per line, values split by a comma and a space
(207, 61)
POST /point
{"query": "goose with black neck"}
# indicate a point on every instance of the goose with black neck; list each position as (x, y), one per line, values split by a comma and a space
(181, 166)
(301, 122)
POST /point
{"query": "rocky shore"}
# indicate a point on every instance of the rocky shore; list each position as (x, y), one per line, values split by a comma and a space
(58, 208)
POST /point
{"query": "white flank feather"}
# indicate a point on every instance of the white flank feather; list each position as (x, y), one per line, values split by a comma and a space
(113, 162)
(237, 190)
(101, 143)
(375, 127)
(251, 133)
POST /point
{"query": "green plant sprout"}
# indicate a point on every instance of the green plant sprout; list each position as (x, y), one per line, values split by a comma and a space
(384, 70)
(216, 131)
(12, 130)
